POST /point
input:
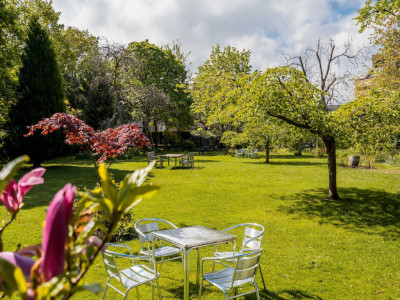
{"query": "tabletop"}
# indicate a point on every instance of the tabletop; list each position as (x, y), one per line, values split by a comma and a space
(172, 155)
(194, 236)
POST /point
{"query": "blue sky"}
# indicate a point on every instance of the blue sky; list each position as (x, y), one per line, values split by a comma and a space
(266, 27)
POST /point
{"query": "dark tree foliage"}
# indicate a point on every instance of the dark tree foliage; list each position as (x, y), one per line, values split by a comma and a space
(100, 103)
(40, 94)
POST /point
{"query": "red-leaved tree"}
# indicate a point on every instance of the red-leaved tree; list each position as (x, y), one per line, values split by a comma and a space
(112, 142)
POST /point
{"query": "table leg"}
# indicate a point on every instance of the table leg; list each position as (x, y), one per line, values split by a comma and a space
(186, 274)
(198, 268)
(168, 161)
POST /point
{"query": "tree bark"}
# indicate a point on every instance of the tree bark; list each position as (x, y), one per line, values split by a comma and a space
(330, 145)
(156, 133)
(267, 152)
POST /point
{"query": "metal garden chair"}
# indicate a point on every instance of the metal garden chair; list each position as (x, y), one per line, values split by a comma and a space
(133, 276)
(188, 161)
(238, 153)
(152, 156)
(242, 272)
(253, 234)
(161, 253)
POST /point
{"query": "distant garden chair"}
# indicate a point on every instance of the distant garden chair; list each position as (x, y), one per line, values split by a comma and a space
(161, 253)
(255, 153)
(133, 276)
(249, 153)
(238, 153)
(152, 156)
(253, 234)
(242, 272)
(252, 153)
(188, 161)
(243, 151)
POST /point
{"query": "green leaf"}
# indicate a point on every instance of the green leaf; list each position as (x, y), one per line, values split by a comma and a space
(13, 279)
(107, 185)
(135, 179)
(135, 195)
(10, 169)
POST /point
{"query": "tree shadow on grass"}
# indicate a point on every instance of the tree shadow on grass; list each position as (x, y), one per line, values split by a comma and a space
(56, 177)
(178, 291)
(366, 210)
(284, 294)
(285, 163)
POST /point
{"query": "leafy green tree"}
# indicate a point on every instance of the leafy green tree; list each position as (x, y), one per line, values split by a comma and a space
(79, 65)
(286, 94)
(40, 95)
(8, 55)
(99, 103)
(216, 89)
(371, 123)
(157, 77)
(383, 17)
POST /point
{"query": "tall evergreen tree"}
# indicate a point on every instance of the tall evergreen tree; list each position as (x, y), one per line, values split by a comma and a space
(40, 95)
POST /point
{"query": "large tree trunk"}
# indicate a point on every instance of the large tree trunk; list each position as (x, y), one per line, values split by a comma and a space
(330, 145)
(156, 133)
(267, 152)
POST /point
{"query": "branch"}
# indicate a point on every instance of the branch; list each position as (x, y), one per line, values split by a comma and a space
(294, 123)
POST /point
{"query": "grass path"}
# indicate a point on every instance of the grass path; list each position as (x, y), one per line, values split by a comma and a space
(314, 248)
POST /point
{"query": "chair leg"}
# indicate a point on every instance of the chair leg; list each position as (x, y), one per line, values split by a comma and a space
(258, 294)
(127, 291)
(158, 287)
(105, 289)
(262, 277)
(152, 292)
(201, 287)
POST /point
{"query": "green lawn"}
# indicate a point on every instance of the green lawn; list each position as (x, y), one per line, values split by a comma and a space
(313, 248)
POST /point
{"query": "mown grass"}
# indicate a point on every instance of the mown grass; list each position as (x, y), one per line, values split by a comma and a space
(314, 248)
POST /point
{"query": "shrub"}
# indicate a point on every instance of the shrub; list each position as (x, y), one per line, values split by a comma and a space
(188, 145)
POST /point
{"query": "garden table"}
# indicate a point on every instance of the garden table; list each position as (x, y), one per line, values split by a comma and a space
(176, 156)
(189, 238)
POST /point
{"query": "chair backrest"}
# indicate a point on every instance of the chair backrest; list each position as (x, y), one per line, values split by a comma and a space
(145, 229)
(243, 150)
(191, 156)
(246, 266)
(151, 156)
(111, 265)
(252, 237)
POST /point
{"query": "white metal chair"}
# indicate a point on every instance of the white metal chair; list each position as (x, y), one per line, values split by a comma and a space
(238, 153)
(188, 161)
(161, 253)
(152, 156)
(131, 277)
(255, 153)
(252, 238)
(242, 272)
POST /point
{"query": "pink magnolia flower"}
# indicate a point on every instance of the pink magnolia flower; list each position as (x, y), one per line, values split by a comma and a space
(13, 193)
(25, 263)
(56, 231)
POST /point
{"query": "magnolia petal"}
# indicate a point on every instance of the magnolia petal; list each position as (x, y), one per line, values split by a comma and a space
(30, 179)
(9, 197)
(24, 263)
(95, 241)
(56, 230)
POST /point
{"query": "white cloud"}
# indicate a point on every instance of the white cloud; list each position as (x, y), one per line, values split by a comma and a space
(267, 28)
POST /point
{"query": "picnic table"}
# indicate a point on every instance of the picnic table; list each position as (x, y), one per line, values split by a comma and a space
(176, 156)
